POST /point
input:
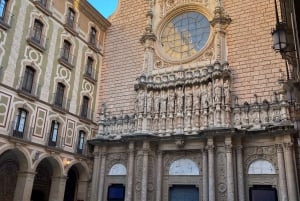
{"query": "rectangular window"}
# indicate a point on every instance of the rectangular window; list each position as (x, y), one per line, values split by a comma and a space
(59, 96)
(37, 31)
(3, 7)
(93, 35)
(80, 142)
(27, 82)
(85, 106)
(116, 192)
(44, 2)
(89, 67)
(71, 17)
(65, 54)
(53, 133)
(20, 123)
(263, 193)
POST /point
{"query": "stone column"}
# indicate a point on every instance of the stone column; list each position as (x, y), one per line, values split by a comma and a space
(159, 176)
(83, 189)
(102, 174)
(24, 186)
(240, 173)
(58, 186)
(211, 170)
(145, 170)
(229, 169)
(205, 175)
(281, 175)
(130, 173)
(95, 179)
(290, 176)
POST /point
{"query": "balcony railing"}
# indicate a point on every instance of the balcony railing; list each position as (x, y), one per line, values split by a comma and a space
(24, 134)
(94, 45)
(44, 6)
(58, 143)
(32, 90)
(67, 59)
(5, 20)
(60, 103)
(86, 113)
(90, 74)
(37, 40)
(71, 26)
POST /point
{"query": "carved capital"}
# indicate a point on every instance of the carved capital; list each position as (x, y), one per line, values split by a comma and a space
(210, 148)
(288, 146)
(228, 148)
(279, 148)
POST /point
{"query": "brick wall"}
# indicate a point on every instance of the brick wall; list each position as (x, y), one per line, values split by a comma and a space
(123, 55)
(254, 63)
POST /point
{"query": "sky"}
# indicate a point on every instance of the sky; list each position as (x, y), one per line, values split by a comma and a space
(105, 7)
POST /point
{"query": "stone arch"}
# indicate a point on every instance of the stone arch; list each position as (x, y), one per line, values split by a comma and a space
(261, 166)
(55, 162)
(13, 163)
(78, 181)
(82, 168)
(118, 169)
(184, 166)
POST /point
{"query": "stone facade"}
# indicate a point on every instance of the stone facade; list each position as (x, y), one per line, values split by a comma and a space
(218, 119)
(43, 127)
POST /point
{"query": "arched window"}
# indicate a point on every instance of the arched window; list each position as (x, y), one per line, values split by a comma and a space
(53, 133)
(80, 145)
(93, 35)
(27, 81)
(70, 21)
(37, 31)
(261, 167)
(20, 123)
(66, 50)
(59, 95)
(89, 67)
(85, 107)
(117, 169)
(184, 167)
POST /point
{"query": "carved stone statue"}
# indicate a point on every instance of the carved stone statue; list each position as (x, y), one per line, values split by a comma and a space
(180, 96)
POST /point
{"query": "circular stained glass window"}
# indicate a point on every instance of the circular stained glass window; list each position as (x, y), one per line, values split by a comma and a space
(185, 35)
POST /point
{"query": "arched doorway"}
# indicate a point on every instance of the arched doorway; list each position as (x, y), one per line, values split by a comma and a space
(42, 182)
(77, 183)
(71, 185)
(46, 170)
(9, 167)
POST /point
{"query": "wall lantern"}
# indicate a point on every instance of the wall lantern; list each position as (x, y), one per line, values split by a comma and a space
(279, 34)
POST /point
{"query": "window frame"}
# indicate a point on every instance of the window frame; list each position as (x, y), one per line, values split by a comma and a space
(66, 50)
(93, 35)
(37, 31)
(89, 66)
(59, 95)
(81, 140)
(28, 79)
(3, 9)
(85, 106)
(20, 123)
(54, 133)
(71, 16)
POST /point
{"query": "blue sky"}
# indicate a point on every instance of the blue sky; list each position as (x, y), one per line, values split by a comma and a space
(105, 7)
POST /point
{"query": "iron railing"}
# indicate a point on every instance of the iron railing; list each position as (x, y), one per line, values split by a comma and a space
(71, 26)
(31, 89)
(37, 38)
(60, 102)
(90, 73)
(58, 142)
(86, 113)
(67, 58)
(17, 132)
(43, 5)
(94, 44)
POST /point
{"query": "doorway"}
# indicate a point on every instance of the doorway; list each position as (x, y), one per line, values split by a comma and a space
(184, 193)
